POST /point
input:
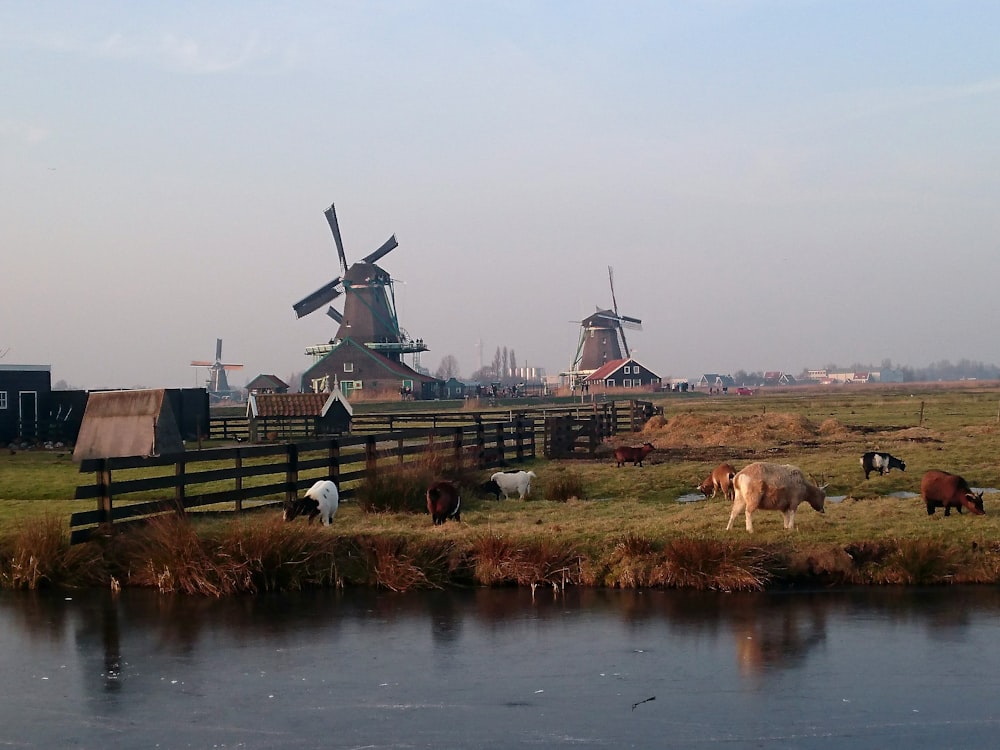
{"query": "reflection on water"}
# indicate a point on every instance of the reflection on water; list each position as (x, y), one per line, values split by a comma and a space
(603, 667)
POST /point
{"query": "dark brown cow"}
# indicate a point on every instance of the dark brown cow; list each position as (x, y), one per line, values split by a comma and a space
(939, 489)
(443, 502)
(635, 455)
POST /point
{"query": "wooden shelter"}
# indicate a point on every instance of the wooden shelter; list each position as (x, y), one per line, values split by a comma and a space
(118, 424)
(274, 415)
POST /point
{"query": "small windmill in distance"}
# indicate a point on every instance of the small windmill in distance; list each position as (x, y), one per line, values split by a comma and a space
(218, 385)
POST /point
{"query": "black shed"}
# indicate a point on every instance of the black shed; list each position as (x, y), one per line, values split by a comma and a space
(24, 401)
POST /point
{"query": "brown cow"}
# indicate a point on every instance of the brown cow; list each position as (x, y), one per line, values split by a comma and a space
(939, 489)
(721, 478)
(767, 486)
(635, 455)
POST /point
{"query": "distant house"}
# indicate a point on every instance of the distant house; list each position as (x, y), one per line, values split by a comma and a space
(714, 380)
(776, 377)
(453, 388)
(24, 398)
(622, 373)
(351, 366)
(283, 414)
(267, 384)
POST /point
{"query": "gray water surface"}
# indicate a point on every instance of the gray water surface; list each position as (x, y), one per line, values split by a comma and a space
(500, 669)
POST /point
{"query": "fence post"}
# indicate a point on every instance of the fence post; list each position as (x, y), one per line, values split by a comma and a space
(292, 473)
(480, 442)
(457, 447)
(519, 438)
(239, 481)
(334, 459)
(104, 486)
(371, 458)
(179, 486)
(500, 440)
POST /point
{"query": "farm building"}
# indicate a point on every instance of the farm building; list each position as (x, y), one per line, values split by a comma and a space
(351, 366)
(24, 399)
(128, 423)
(776, 377)
(285, 414)
(454, 388)
(267, 384)
(622, 373)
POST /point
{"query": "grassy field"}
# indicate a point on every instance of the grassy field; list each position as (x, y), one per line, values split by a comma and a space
(625, 527)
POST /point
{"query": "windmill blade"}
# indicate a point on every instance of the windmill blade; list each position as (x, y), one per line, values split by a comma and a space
(389, 245)
(218, 350)
(326, 293)
(633, 324)
(611, 278)
(331, 218)
(335, 314)
(201, 363)
(230, 366)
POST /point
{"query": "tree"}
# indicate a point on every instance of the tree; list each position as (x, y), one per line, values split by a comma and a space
(448, 368)
(513, 364)
(497, 362)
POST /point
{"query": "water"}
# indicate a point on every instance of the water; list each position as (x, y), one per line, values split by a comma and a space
(501, 669)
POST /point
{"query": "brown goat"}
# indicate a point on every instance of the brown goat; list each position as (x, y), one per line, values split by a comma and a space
(721, 478)
(939, 489)
(635, 455)
(443, 502)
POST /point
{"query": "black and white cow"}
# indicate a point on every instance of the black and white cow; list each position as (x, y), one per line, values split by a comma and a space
(880, 462)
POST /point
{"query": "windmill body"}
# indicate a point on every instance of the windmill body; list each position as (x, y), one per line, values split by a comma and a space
(369, 312)
(217, 383)
(602, 338)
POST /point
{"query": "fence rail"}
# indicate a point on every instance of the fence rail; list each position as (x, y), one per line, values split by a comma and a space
(130, 490)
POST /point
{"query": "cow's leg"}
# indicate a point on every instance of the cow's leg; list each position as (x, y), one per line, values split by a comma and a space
(947, 509)
(749, 515)
(789, 519)
(737, 509)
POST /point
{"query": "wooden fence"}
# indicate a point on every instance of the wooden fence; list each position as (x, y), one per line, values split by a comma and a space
(233, 479)
(614, 417)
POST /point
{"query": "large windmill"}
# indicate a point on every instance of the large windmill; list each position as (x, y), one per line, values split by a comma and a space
(369, 315)
(602, 336)
(217, 383)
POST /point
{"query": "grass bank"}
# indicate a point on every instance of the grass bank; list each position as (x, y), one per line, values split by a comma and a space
(589, 523)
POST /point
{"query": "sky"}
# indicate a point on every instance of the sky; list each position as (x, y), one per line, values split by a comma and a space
(778, 184)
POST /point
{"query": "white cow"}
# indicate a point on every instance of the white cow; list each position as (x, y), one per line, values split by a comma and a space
(780, 487)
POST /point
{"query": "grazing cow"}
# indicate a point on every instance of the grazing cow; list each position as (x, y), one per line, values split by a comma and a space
(780, 487)
(443, 502)
(511, 482)
(322, 499)
(635, 455)
(939, 489)
(880, 462)
(721, 478)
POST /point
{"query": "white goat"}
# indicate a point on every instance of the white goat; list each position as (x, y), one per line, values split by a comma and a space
(322, 499)
(518, 481)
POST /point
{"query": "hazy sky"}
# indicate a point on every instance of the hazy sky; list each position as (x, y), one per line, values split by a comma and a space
(779, 184)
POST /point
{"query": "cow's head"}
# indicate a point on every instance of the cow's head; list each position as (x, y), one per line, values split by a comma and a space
(974, 502)
(895, 463)
(298, 506)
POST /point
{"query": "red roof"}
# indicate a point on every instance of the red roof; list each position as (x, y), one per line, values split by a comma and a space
(606, 369)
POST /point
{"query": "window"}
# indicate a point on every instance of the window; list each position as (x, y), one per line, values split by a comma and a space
(609, 383)
(3, 399)
(408, 384)
(627, 369)
(626, 383)
(348, 367)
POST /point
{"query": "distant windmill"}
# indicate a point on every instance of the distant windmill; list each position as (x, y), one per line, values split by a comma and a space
(369, 315)
(217, 382)
(602, 336)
